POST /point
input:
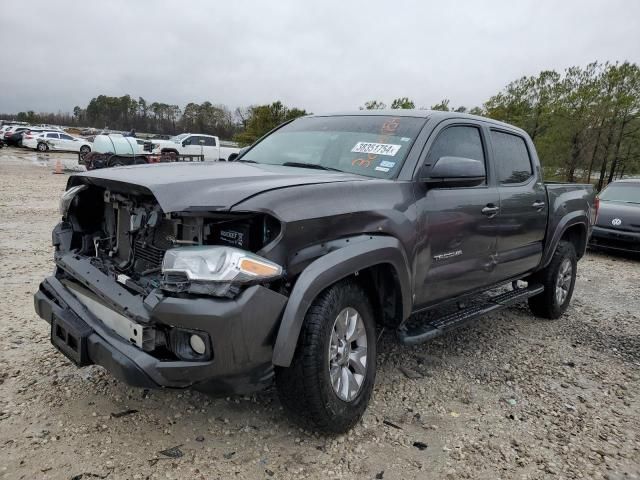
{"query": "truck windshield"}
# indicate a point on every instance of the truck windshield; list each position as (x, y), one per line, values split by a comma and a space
(374, 146)
(622, 192)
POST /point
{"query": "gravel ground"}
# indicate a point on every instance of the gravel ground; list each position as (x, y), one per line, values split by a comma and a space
(511, 396)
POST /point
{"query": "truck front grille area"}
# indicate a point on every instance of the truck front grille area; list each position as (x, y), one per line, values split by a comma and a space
(151, 254)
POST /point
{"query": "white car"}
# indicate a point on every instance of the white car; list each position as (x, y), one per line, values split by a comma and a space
(195, 144)
(34, 132)
(57, 141)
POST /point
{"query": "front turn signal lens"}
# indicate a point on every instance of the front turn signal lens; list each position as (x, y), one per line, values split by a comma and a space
(255, 267)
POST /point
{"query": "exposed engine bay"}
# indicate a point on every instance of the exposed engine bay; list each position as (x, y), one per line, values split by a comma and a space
(127, 236)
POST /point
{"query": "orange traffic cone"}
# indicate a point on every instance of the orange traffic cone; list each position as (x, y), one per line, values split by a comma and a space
(58, 170)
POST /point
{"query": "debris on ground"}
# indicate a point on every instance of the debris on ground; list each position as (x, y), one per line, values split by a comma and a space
(589, 428)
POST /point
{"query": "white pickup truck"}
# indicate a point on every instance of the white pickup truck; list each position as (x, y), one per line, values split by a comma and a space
(195, 144)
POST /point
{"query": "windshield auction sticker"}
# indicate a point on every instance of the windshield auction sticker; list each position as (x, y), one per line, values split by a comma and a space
(387, 149)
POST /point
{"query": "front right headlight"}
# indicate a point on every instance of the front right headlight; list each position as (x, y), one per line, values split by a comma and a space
(67, 198)
(213, 270)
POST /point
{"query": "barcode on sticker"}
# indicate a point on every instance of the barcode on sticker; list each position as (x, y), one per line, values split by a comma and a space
(376, 148)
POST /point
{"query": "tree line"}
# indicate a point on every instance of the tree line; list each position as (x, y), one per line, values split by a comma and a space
(584, 121)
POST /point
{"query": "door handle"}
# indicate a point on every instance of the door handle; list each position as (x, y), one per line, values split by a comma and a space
(538, 204)
(490, 210)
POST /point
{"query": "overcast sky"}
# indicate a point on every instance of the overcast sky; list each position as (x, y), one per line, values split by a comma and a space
(318, 55)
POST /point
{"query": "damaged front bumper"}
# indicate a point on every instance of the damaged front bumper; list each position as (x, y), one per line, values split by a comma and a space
(241, 330)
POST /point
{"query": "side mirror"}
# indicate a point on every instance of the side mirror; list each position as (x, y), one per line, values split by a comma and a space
(456, 172)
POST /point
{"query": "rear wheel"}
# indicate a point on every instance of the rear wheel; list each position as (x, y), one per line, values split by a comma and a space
(42, 147)
(331, 377)
(84, 149)
(558, 279)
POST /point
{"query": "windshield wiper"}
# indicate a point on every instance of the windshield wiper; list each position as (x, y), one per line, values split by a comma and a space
(246, 161)
(310, 165)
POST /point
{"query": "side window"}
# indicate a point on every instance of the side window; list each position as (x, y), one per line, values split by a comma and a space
(458, 141)
(65, 137)
(189, 140)
(209, 141)
(52, 135)
(513, 164)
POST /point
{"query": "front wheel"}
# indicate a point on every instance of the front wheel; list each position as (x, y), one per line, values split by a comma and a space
(558, 279)
(331, 377)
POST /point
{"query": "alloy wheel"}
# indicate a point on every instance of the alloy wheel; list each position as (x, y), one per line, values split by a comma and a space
(563, 281)
(348, 354)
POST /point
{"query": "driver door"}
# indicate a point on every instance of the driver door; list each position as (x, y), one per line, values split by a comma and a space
(67, 143)
(456, 245)
(192, 145)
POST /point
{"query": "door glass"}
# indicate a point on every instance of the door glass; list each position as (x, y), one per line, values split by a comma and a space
(513, 163)
(458, 141)
(52, 135)
(65, 137)
(209, 141)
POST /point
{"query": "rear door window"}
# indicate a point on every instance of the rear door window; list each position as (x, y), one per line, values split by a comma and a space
(53, 135)
(512, 160)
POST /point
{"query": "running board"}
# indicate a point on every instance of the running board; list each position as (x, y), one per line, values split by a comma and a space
(414, 334)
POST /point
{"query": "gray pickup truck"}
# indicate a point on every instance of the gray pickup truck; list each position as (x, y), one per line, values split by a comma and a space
(282, 264)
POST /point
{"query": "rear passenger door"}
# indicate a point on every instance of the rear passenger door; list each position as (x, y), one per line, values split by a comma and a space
(53, 140)
(522, 220)
(211, 151)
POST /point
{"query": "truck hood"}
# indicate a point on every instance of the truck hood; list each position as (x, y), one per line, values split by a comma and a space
(165, 144)
(209, 186)
(619, 216)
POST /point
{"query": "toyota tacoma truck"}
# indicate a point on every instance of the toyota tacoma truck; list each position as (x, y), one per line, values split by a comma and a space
(281, 266)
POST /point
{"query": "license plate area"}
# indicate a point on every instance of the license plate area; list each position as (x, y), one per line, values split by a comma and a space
(69, 336)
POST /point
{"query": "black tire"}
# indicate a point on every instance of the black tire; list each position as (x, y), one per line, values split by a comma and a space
(84, 150)
(116, 161)
(548, 304)
(42, 147)
(305, 388)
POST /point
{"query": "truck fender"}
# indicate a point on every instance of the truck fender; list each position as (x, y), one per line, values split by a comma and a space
(326, 271)
(568, 221)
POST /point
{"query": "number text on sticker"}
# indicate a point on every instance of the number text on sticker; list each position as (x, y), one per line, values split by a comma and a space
(376, 148)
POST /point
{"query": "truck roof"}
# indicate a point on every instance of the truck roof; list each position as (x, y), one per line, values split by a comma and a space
(627, 180)
(420, 113)
(200, 134)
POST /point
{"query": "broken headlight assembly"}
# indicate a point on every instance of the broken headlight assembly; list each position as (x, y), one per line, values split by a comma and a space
(214, 270)
(67, 198)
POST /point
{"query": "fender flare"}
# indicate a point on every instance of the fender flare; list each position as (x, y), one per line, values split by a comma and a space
(570, 220)
(326, 271)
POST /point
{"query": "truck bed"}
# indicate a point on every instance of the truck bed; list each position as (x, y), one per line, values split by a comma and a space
(566, 202)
